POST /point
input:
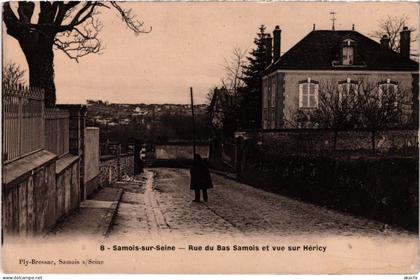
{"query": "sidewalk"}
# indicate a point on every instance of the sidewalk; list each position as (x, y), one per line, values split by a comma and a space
(95, 215)
(229, 175)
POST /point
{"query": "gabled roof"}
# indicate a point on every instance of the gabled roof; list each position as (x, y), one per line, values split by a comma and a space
(219, 98)
(320, 48)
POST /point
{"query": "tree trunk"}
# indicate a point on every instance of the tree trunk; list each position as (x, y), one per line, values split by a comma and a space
(39, 54)
(373, 138)
(335, 140)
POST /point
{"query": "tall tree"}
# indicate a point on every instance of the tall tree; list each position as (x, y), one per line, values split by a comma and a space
(391, 26)
(234, 71)
(232, 89)
(71, 27)
(250, 106)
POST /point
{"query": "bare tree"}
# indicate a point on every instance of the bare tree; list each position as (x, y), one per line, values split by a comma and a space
(209, 97)
(336, 107)
(234, 71)
(369, 104)
(392, 26)
(13, 74)
(380, 107)
(233, 67)
(71, 27)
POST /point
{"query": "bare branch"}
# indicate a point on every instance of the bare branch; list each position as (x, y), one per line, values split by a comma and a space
(392, 26)
(234, 71)
(25, 11)
(81, 41)
(130, 19)
(80, 37)
(12, 74)
(14, 29)
(63, 11)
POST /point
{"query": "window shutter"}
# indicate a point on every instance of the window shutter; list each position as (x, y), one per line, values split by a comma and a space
(397, 97)
(300, 95)
(266, 96)
(380, 91)
(340, 92)
(316, 95)
(273, 93)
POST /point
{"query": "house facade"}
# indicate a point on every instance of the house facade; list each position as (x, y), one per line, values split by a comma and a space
(344, 57)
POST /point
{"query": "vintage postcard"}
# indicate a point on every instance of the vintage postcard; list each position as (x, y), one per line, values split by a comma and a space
(210, 137)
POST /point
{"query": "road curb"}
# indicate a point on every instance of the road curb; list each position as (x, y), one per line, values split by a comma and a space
(109, 217)
(231, 176)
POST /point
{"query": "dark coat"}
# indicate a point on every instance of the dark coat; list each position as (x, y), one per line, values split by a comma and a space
(138, 162)
(200, 176)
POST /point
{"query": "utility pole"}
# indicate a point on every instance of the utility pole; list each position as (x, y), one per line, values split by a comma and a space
(193, 119)
(333, 19)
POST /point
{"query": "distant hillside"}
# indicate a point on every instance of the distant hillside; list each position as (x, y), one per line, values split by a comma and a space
(147, 122)
(114, 113)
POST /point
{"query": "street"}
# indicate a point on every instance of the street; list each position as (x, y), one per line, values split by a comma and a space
(156, 228)
(160, 202)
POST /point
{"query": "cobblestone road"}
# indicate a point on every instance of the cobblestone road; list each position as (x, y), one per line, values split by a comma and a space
(160, 202)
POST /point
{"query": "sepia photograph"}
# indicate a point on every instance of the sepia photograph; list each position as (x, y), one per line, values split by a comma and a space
(210, 138)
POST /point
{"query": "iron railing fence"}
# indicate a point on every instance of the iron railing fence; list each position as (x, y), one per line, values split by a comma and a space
(28, 127)
(23, 121)
(57, 131)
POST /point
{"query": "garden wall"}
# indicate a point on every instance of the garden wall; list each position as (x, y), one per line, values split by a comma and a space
(113, 167)
(316, 141)
(91, 159)
(377, 187)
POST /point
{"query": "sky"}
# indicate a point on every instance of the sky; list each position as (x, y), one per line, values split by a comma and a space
(188, 45)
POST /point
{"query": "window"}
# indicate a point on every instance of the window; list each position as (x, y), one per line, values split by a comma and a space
(273, 92)
(270, 86)
(347, 89)
(347, 47)
(348, 55)
(390, 90)
(273, 102)
(389, 87)
(308, 94)
(265, 102)
(265, 94)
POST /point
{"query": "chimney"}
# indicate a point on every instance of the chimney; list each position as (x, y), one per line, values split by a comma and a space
(277, 43)
(405, 42)
(385, 41)
(268, 50)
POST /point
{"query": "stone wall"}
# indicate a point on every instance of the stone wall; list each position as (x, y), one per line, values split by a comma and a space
(314, 141)
(68, 195)
(180, 151)
(381, 188)
(91, 159)
(37, 191)
(113, 167)
(380, 184)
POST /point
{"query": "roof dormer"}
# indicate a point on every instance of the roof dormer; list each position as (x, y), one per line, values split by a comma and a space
(347, 52)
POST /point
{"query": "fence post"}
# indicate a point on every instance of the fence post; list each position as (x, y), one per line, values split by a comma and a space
(43, 118)
(119, 162)
(77, 121)
(20, 120)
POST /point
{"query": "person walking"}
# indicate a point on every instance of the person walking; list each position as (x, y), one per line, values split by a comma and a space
(138, 162)
(200, 178)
